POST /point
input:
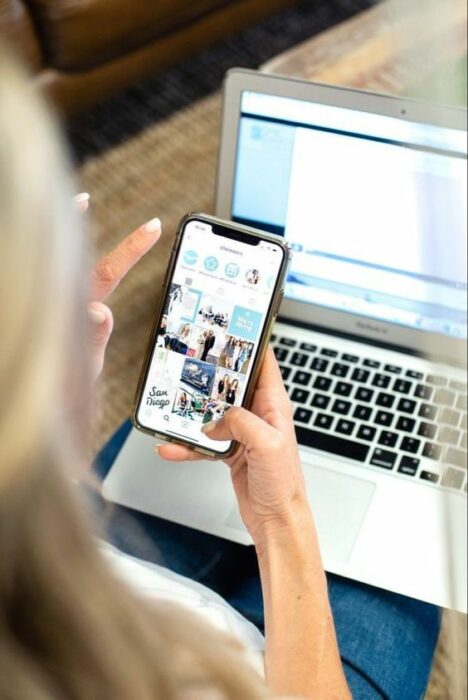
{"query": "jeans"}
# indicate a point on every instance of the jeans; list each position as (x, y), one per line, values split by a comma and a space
(386, 640)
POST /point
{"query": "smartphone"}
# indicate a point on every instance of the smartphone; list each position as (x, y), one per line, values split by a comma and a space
(220, 297)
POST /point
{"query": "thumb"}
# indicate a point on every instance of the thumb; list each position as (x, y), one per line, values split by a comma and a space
(101, 324)
(242, 426)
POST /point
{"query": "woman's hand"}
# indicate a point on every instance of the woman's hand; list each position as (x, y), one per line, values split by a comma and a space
(266, 470)
(106, 276)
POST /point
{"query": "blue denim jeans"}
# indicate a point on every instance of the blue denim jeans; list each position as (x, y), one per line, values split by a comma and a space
(386, 640)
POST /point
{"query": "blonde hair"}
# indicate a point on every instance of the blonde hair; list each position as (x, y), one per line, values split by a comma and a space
(68, 629)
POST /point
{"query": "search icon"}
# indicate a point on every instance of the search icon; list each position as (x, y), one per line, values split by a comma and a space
(166, 417)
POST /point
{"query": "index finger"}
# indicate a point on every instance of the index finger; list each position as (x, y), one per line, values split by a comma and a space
(113, 267)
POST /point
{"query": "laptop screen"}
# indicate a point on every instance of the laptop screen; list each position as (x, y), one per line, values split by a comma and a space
(373, 206)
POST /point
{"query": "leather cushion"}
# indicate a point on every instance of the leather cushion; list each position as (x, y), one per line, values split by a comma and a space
(16, 25)
(80, 34)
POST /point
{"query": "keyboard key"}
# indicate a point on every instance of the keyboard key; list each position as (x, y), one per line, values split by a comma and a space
(394, 369)
(456, 457)
(449, 417)
(339, 370)
(341, 407)
(343, 388)
(414, 374)
(289, 342)
(406, 405)
(383, 418)
(428, 411)
(320, 401)
(299, 359)
(462, 402)
(363, 394)
(308, 347)
(287, 387)
(272, 338)
(285, 372)
(323, 421)
(402, 386)
(301, 377)
(458, 386)
(362, 412)
(453, 478)
(432, 451)
(443, 397)
(371, 363)
(436, 380)
(322, 383)
(406, 424)
(381, 380)
(463, 442)
(281, 354)
(345, 426)
(448, 436)
(328, 353)
(365, 432)
(346, 357)
(388, 438)
(302, 415)
(408, 465)
(319, 364)
(427, 430)
(383, 458)
(331, 443)
(423, 391)
(429, 476)
(463, 422)
(386, 400)
(360, 375)
(410, 444)
(299, 395)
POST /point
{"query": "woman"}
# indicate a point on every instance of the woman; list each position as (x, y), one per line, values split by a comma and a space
(200, 345)
(223, 385)
(71, 626)
(182, 404)
(231, 393)
(161, 333)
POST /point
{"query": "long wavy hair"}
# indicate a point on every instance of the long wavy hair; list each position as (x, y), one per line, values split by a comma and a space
(68, 628)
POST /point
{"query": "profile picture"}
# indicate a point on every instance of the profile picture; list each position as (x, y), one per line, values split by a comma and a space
(252, 276)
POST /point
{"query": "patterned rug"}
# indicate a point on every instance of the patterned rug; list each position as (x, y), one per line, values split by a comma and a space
(152, 152)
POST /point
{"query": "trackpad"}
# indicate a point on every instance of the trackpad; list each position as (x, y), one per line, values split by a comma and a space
(339, 504)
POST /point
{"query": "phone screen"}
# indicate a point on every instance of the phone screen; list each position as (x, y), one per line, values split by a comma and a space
(205, 346)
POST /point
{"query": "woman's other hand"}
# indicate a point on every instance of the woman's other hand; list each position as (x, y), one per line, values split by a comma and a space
(266, 470)
(106, 276)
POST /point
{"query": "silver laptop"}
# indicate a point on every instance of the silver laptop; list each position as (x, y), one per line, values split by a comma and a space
(370, 191)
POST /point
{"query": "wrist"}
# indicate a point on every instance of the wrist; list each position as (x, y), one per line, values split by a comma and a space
(291, 529)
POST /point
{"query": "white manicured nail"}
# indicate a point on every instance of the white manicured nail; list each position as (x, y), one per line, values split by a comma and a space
(153, 225)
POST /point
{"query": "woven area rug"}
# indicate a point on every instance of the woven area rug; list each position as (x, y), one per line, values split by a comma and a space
(158, 158)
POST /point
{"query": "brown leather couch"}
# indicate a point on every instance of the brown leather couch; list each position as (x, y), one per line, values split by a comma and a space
(84, 50)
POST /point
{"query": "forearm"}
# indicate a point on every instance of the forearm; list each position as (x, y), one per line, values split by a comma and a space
(301, 654)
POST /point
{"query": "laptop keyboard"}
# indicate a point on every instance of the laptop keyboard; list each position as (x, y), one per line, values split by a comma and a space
(382, 415)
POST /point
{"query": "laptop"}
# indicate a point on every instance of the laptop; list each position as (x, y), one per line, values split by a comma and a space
(370, 191)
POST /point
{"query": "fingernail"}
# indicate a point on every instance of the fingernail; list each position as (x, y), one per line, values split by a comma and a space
(153, 225)
(96, 316)
(208, 427)
(81, 197)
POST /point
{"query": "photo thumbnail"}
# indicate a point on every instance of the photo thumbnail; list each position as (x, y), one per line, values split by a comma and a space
(252, 276)
(214, 312)
(236, 354)
(198, 408)
(228, 387)
(206, 344)
(197, 375)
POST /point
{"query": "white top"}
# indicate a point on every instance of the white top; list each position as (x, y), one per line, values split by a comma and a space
(160, 583)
